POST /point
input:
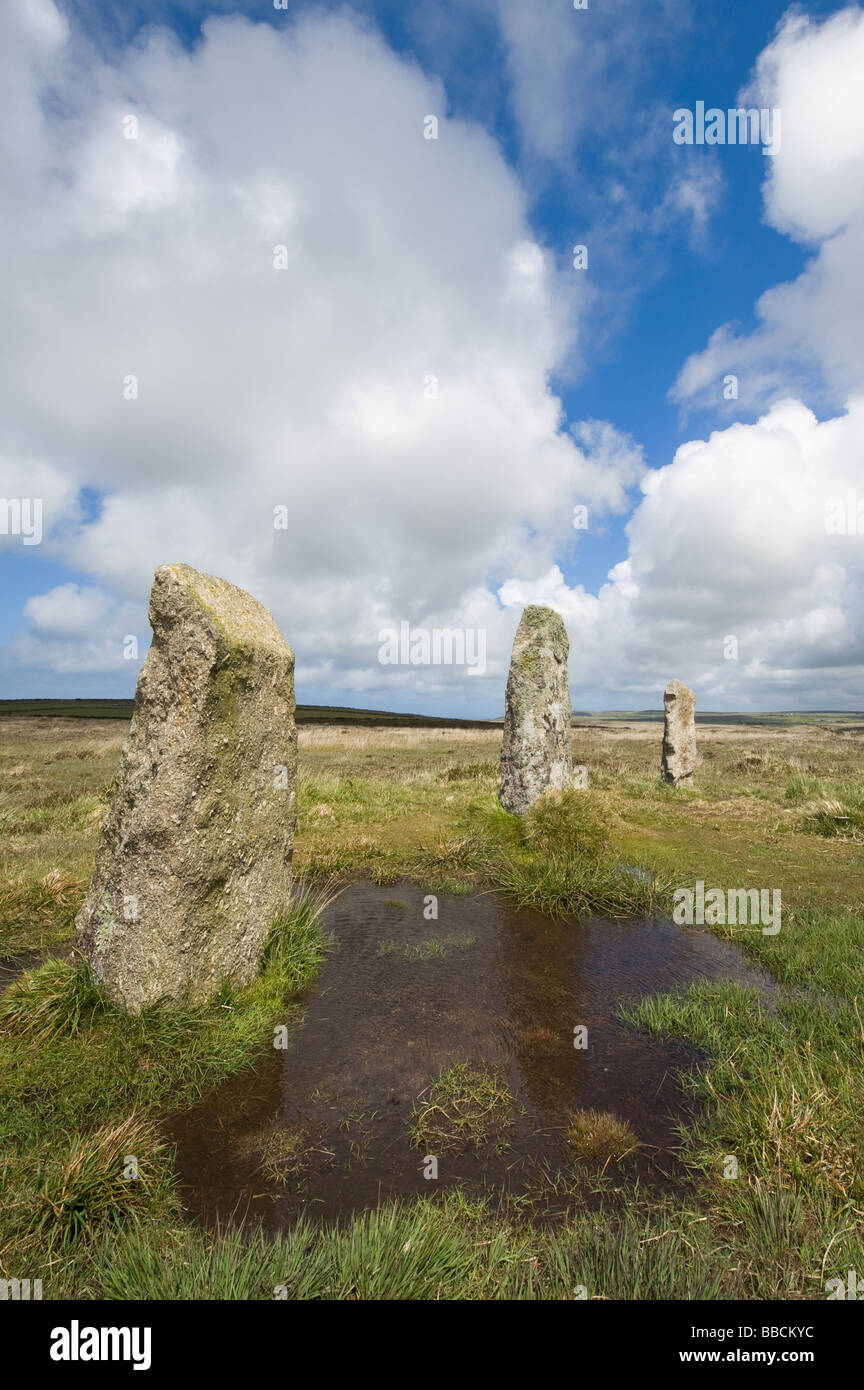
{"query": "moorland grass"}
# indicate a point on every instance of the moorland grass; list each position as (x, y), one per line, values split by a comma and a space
(559, 858)
(452, 1248)
(38, 910)
(782, 1096)
(778, 1084)
(74, 1070)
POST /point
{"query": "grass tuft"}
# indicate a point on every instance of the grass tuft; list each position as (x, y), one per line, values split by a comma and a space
(37, 910)
(467, 1107)
(597, 1136)
(56, 1000)
(558, 858)
(104, 1181)
(295, 946)
(830, 816)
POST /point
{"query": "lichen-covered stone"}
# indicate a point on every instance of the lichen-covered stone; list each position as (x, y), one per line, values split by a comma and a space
(535, 754)
(678, 762)
(194, 861)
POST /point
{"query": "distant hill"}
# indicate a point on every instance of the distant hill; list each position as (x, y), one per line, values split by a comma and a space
(74, 709)
(769, 718)
(306, 714)
(378, 718)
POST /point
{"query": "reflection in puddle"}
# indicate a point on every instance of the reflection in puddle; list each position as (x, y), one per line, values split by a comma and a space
(323, 1127)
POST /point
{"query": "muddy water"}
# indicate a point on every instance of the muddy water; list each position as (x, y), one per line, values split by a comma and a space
(397, 1001)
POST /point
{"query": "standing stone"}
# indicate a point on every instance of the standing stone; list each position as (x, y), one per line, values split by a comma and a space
(535, 754)
(679, 735)
(194, 861)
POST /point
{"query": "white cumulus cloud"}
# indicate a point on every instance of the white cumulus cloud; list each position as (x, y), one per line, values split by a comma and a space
(269, 291)
(811, 331)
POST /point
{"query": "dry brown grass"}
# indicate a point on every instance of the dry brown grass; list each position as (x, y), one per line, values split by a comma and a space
(369, 739)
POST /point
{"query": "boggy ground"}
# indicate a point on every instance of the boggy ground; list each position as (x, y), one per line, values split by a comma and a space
(462, 1052)
(777, 1093)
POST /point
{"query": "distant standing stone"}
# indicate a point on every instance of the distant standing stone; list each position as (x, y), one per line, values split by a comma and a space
(194, 861)
(535, 754)
(679, 735)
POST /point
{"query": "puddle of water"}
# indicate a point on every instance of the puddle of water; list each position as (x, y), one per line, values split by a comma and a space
(391, 1009)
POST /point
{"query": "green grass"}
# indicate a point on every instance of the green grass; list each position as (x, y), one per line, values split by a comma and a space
(402, 1251)
(778, 1085)
(427, 1249)
(831, 816)
(559, 859)
(72, 1066)
(58, 1000)
(107, 1180)
(38, 910)
(464, 1108)
(783, 1096)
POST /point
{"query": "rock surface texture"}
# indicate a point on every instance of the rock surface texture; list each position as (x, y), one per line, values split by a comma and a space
(678, 762)
(194, 861)
(535, 754)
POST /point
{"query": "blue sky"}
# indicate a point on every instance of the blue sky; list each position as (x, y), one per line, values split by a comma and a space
(568, 129)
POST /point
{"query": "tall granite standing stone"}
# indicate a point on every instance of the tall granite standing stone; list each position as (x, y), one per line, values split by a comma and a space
(194, 861)
(535, 754)
(679, 735)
